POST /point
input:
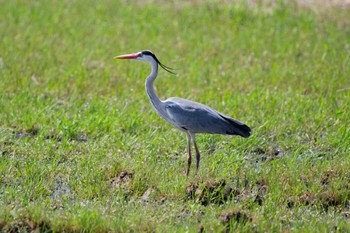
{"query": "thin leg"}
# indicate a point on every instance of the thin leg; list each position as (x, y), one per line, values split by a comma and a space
(189, 154)
(198, 155)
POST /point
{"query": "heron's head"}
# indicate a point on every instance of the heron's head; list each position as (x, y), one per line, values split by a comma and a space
(147, 56)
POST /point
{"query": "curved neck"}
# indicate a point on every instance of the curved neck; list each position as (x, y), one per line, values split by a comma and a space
(152, 96)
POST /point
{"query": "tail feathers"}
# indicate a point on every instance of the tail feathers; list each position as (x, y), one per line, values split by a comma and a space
(237, 127)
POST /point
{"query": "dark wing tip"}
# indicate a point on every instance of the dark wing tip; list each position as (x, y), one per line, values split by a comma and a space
(243, 131)
(246, 131)
(237, 127)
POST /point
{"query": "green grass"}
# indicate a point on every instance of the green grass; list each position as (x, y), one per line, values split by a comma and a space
(82, 150)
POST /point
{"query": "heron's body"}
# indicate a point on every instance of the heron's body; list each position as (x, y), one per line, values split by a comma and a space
(188, 116)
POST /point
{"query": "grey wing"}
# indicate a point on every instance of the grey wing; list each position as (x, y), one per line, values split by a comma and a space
(199, 118)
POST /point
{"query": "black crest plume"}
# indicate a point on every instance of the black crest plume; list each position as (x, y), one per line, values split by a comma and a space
(166, 68)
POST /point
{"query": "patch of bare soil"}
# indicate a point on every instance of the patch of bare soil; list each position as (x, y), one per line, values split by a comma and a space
(229, 216)
(325, 199)
(270, 153)
(26, 224)
(123, 178)
(219, 192)
(31, 132)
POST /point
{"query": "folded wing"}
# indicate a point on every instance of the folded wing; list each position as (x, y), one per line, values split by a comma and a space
(198, 118)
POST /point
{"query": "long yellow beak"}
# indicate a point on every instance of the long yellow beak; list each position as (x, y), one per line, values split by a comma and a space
(127, 56)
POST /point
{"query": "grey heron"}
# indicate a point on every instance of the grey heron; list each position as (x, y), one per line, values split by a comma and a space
(187, 116)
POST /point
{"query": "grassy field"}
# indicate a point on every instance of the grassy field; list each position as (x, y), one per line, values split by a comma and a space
(81, 148)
